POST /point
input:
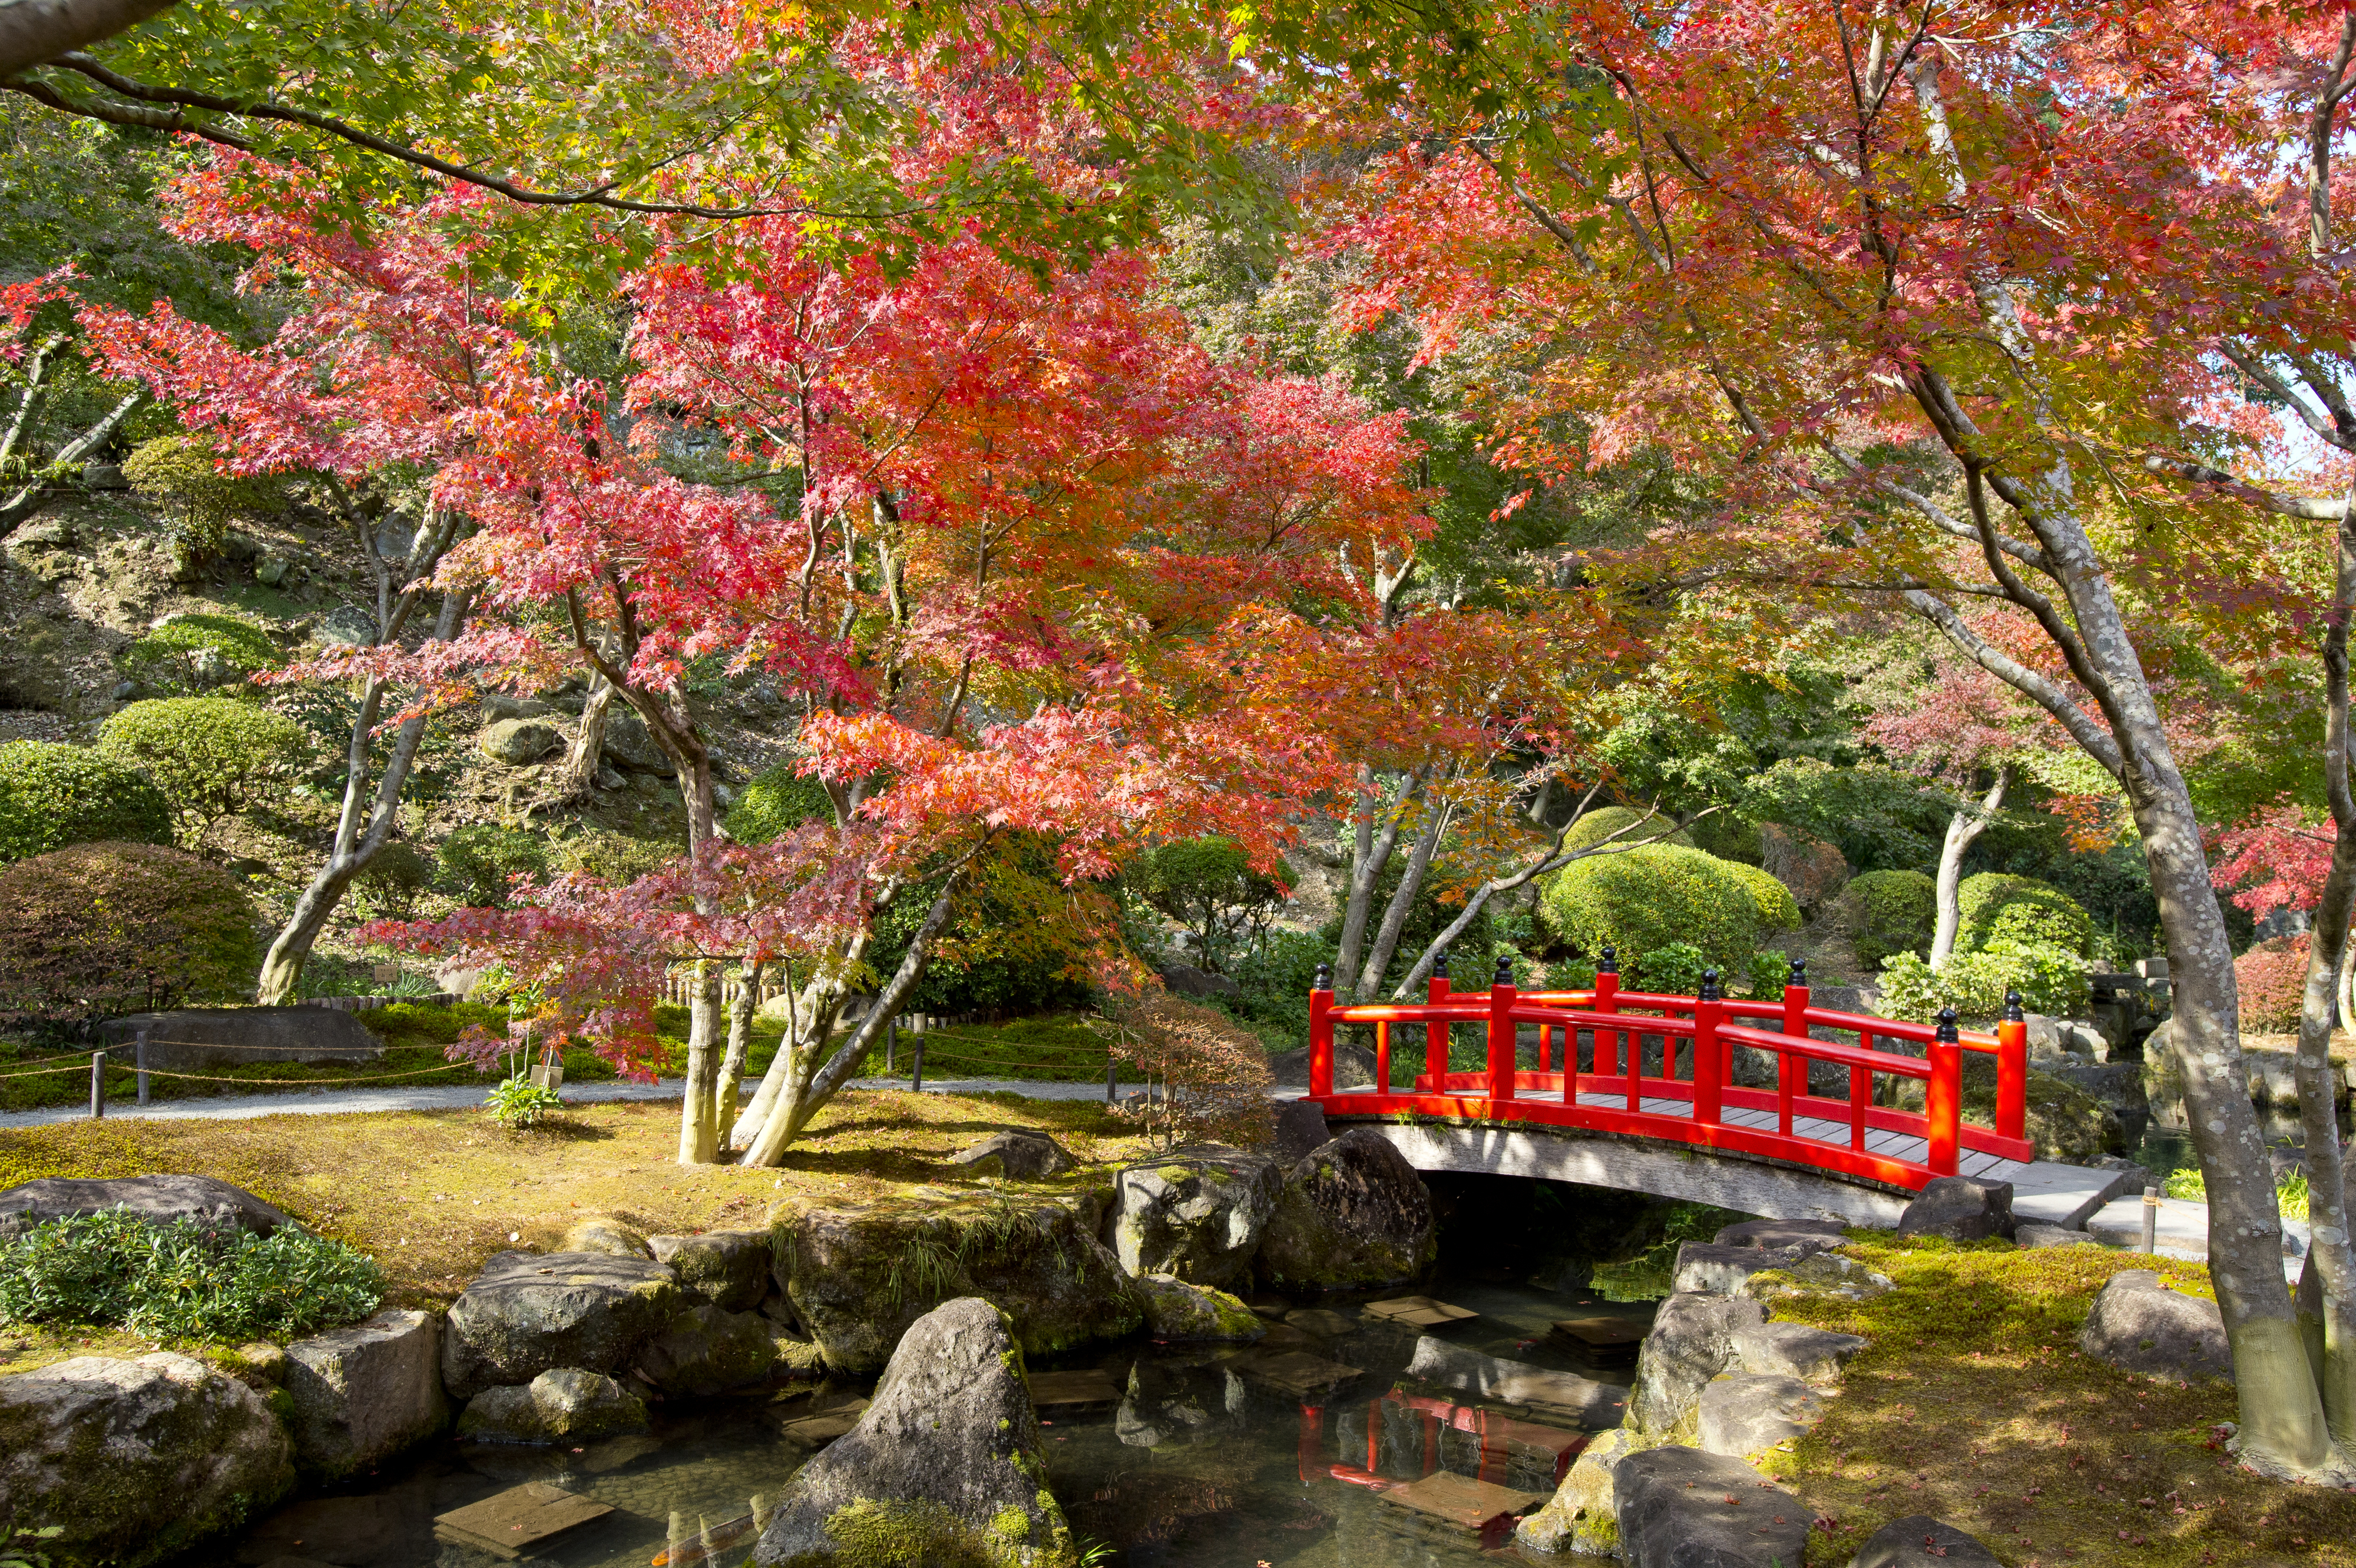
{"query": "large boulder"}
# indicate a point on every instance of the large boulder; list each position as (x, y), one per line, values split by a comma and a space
(160, 1199)
(707, 1352)
(629, 746)
(1352, 1214)
(527, 1313)
(563, 1404)
(2140, 1325)
(1706, 1269)
(1691, 1342)
(1781, 1235)
(1018, 1153)
(858, 1274)
(1816, 1356)
(604, 1233)
(1740, 1415)
(1301, 1129)
(1917, 1539)
(519, 741)
(946, 1467)
(1679, 1508)
(1820, 1273)
(1960, 1208)
(728, 1269)
(1176, 1310)
(1198, 1213)
(132, 1462)
(193, 1038)
(356, 1396)
(1589, 1405)
(1581, 1517)
(1354, 1066)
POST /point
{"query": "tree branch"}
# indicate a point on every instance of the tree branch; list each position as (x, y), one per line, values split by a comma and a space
(32, 31)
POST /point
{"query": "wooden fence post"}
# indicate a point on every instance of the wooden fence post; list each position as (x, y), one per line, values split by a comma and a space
(139, 1055)
(97, 1085)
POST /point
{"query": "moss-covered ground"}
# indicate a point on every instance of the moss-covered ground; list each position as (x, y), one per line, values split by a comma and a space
(1973, 1404)
(432, 1195)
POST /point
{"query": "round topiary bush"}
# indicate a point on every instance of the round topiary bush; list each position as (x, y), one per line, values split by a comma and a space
(2271, 980)
(1998, 907)
(193, 653)
(775, 803)
(101, 929)
(1603, 822)
(1778, 909)
(478, 863)
(1643, 900)
(394, 878)
(52, 796)
(210, 756)
(1884, 913)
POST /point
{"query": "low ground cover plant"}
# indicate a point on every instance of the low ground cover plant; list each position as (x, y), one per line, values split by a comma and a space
(188, 1279)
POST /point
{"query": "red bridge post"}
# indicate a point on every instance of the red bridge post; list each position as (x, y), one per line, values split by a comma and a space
(1435, 1040)
(1708, 1069)
(1321, 1031)
(1791, 1071)
(1943, 1099)
(1503, 1034)
(2012, 1070)
(1607, 1000)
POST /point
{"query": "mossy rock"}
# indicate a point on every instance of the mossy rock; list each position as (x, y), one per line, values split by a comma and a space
(1176, 1310)
(859, 1274)
(1353, 1214)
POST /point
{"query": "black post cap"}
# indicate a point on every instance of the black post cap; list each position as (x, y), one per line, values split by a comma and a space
(1440, 964)
(1799, 975)
(1609, 962)
(1947, 1026)
(1324, 977)
(1505, 975)
(1709, 991)
(2012, 1013)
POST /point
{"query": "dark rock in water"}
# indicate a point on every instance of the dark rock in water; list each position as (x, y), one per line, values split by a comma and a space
(133, 1461)
(729, 1269)
(1919, 1538)
(1595, 1405)
(2140, 1325)
(1176, 1310)
(1679, 1508)
(1353, 1213)
(1018, 1153)
(159, 1199)
(945, 1467)
(705, 1351)
(196, 1037)
(526, 1313)
(1300, 1129)
(1354, 1066)
(1196, 1213)
(1960, 1209)
(1744, 1415)
(859, 1274)
(357, 1396)
(564, 1405)
(1776, 1235)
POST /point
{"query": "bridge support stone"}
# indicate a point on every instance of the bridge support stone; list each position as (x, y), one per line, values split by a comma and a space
(1730, 1181)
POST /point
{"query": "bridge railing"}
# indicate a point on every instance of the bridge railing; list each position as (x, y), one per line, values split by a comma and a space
(1687, 1092)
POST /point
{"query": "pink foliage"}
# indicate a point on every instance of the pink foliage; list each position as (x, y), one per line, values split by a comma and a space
(2276, 861)
(2271, 980)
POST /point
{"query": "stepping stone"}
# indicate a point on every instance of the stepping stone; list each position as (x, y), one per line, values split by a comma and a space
(1418, 1310)
(1320, 1320)
(1057, 1391)
(1297, 1371)
(820, 1428)
(1604, 1339)
(1462, 1502)
(511, 1524)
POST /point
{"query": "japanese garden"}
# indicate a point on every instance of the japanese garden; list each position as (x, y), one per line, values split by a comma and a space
(957, 785)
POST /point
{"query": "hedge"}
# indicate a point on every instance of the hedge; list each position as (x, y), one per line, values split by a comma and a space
(210, 756)
(53, 795)
(1645, 899)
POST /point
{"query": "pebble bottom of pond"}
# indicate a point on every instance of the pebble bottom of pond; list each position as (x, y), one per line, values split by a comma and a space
(1216, 1456)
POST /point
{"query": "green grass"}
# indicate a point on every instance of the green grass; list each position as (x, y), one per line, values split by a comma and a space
(1054, 1049)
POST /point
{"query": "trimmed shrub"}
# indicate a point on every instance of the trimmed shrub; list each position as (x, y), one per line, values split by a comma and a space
(478, 863)
(2272, 979)
(185, 1280)
(1675, 970)
(193, 653)
(100, 928)
(179, 475)
(1605, 821)
(395, 877)
(775, 803)
(1645, 899)
(1778, 909)
(210, 756)
(1209, 887)
(1887, 912)
(2049, 980)
(1997, 907)
(53, 795)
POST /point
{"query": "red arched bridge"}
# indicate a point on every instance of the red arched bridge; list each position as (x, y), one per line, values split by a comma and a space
(1686, 1092)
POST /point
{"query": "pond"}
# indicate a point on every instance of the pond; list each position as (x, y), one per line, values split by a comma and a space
(1213, 1457)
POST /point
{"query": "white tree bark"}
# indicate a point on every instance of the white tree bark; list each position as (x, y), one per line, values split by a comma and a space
(1967, 825)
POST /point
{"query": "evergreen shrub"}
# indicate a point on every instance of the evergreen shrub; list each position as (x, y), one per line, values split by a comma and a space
(194, 653)
(1209, 887)
(775, 803)
(53, 795)
(1604, 821)
(1778, 909)
(186, 1280)
(1999, 908)
(211, 756)
(478, 863)
(100, 928)
(1887, 912)
(395, 877)
(2049, 980)
(1643, 900)
(614, 858)
(179, 474)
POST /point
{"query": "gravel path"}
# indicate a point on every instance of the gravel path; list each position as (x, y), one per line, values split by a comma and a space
(352, 1102)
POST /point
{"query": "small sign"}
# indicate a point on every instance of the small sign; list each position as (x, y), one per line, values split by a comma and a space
(386, 973)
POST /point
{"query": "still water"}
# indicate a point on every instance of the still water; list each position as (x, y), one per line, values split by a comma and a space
(1215, 1456)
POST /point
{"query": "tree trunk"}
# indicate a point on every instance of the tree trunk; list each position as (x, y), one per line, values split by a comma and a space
(1402, 901)
(699, 1121)
(577, 777)
(1967, 825)
(1370, 852)
(32, 31)
(740, 1042)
